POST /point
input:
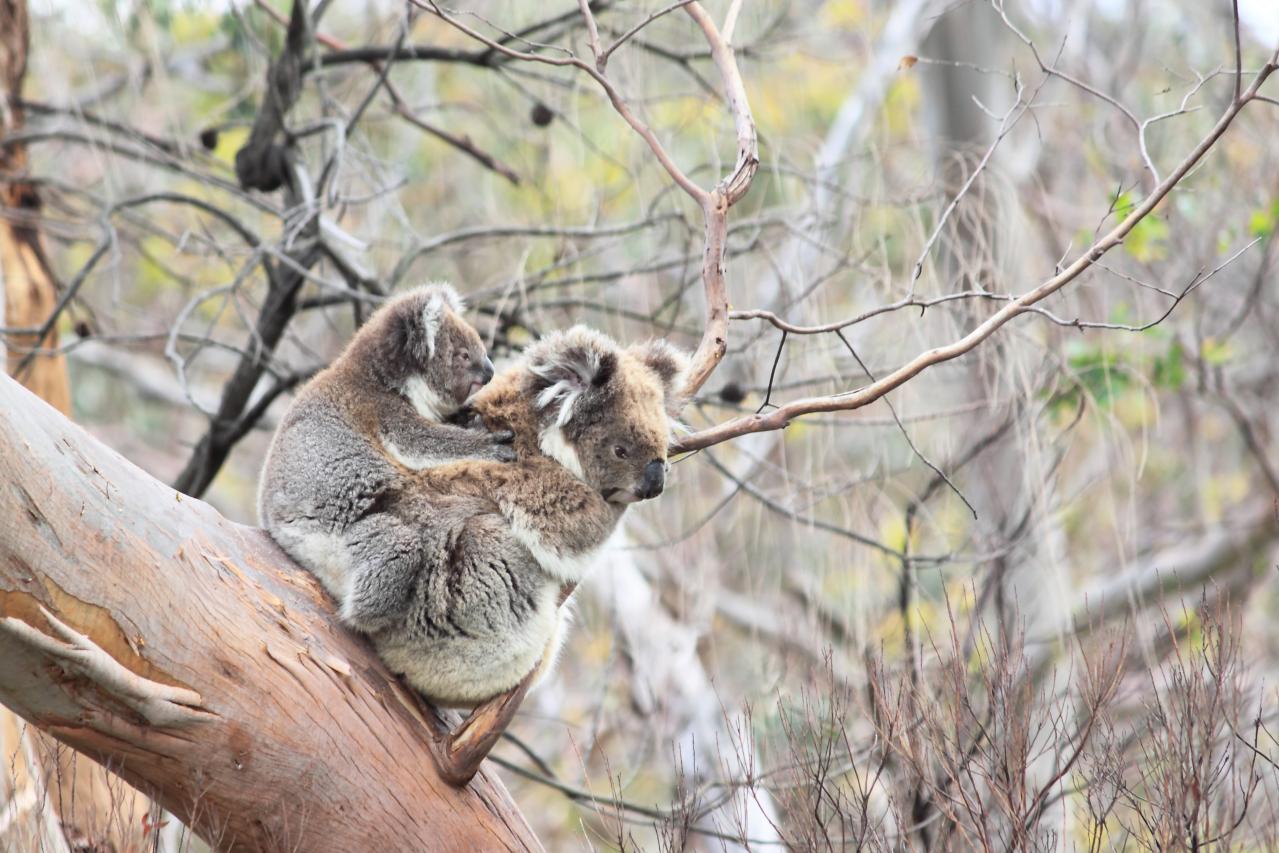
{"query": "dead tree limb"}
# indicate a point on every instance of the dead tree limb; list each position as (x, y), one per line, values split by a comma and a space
(267, 165)
(188, 653)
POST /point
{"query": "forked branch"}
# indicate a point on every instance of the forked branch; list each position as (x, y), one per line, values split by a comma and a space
(715, 202)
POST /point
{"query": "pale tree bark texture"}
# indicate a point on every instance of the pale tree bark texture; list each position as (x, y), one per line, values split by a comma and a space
(190, 655)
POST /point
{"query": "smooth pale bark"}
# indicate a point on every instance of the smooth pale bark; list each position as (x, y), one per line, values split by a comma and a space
(188, 653)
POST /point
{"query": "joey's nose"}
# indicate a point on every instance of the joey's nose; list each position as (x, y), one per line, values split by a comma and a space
(486, 370)
(654, 479)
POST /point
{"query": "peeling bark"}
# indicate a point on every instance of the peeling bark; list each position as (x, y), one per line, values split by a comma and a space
(141, 628)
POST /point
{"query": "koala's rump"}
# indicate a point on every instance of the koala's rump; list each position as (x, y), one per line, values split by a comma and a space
(320, 476)
(483, 613)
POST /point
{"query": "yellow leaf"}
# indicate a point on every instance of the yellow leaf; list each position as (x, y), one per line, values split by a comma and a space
(1216, 352)
(230, 141)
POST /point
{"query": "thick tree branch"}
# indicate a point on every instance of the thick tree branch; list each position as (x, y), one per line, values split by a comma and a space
(142, 628)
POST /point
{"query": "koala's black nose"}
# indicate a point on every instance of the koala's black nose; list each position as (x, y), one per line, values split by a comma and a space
(654, 480)
(486, 369)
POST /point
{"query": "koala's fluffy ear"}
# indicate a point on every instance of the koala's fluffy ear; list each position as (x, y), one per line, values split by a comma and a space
(670, 363)
(564, 365)
(437, 299)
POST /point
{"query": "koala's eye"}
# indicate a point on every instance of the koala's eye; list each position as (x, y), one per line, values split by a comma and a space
(620, 452)
(466, 356)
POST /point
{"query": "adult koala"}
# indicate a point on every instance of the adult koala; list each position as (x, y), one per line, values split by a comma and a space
(472, 606)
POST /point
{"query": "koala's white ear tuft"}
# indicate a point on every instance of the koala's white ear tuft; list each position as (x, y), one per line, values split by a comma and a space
(670, 363)
(445, 293)
(439, 298)
(564, 365)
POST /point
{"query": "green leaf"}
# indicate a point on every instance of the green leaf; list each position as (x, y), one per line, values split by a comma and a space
(1147, 240)
(1170, 369)
(1098, 374)
(1262, 222)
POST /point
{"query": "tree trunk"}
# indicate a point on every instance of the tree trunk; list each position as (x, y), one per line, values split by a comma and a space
(191, 656)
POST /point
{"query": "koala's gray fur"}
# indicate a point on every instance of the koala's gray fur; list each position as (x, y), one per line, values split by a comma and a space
(361, 425)
(462, 593)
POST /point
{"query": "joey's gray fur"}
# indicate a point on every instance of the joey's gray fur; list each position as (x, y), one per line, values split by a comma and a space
(359, 426)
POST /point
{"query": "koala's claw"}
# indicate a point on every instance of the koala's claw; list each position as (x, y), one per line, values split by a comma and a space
(467, 418)
(502, 449)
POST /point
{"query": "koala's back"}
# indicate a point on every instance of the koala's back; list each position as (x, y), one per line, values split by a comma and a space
(321, 474)
(321, 466)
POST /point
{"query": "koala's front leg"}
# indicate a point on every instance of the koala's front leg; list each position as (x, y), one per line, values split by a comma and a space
(562, 521)
(387, 556)
(417, 443)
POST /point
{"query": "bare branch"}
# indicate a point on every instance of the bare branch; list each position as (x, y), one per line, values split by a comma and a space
(715, 203)
(783, 415)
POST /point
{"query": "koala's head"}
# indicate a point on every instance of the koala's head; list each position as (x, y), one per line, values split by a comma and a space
(429, 353)
(605, 412)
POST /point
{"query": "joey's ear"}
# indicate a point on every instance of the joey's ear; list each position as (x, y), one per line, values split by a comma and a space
(439, 298)
(670, 363)
(565, 365)
(446, 295)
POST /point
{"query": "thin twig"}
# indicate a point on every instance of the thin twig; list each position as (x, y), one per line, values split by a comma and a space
(783, 415)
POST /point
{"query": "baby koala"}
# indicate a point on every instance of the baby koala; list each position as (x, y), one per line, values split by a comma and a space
(380, 408)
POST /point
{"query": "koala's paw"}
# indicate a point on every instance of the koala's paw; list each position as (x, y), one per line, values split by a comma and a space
(467, 418)
(502, 450)
(504, 453)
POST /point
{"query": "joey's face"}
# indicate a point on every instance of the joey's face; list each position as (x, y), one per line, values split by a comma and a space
(419, 345)
(459, 365)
